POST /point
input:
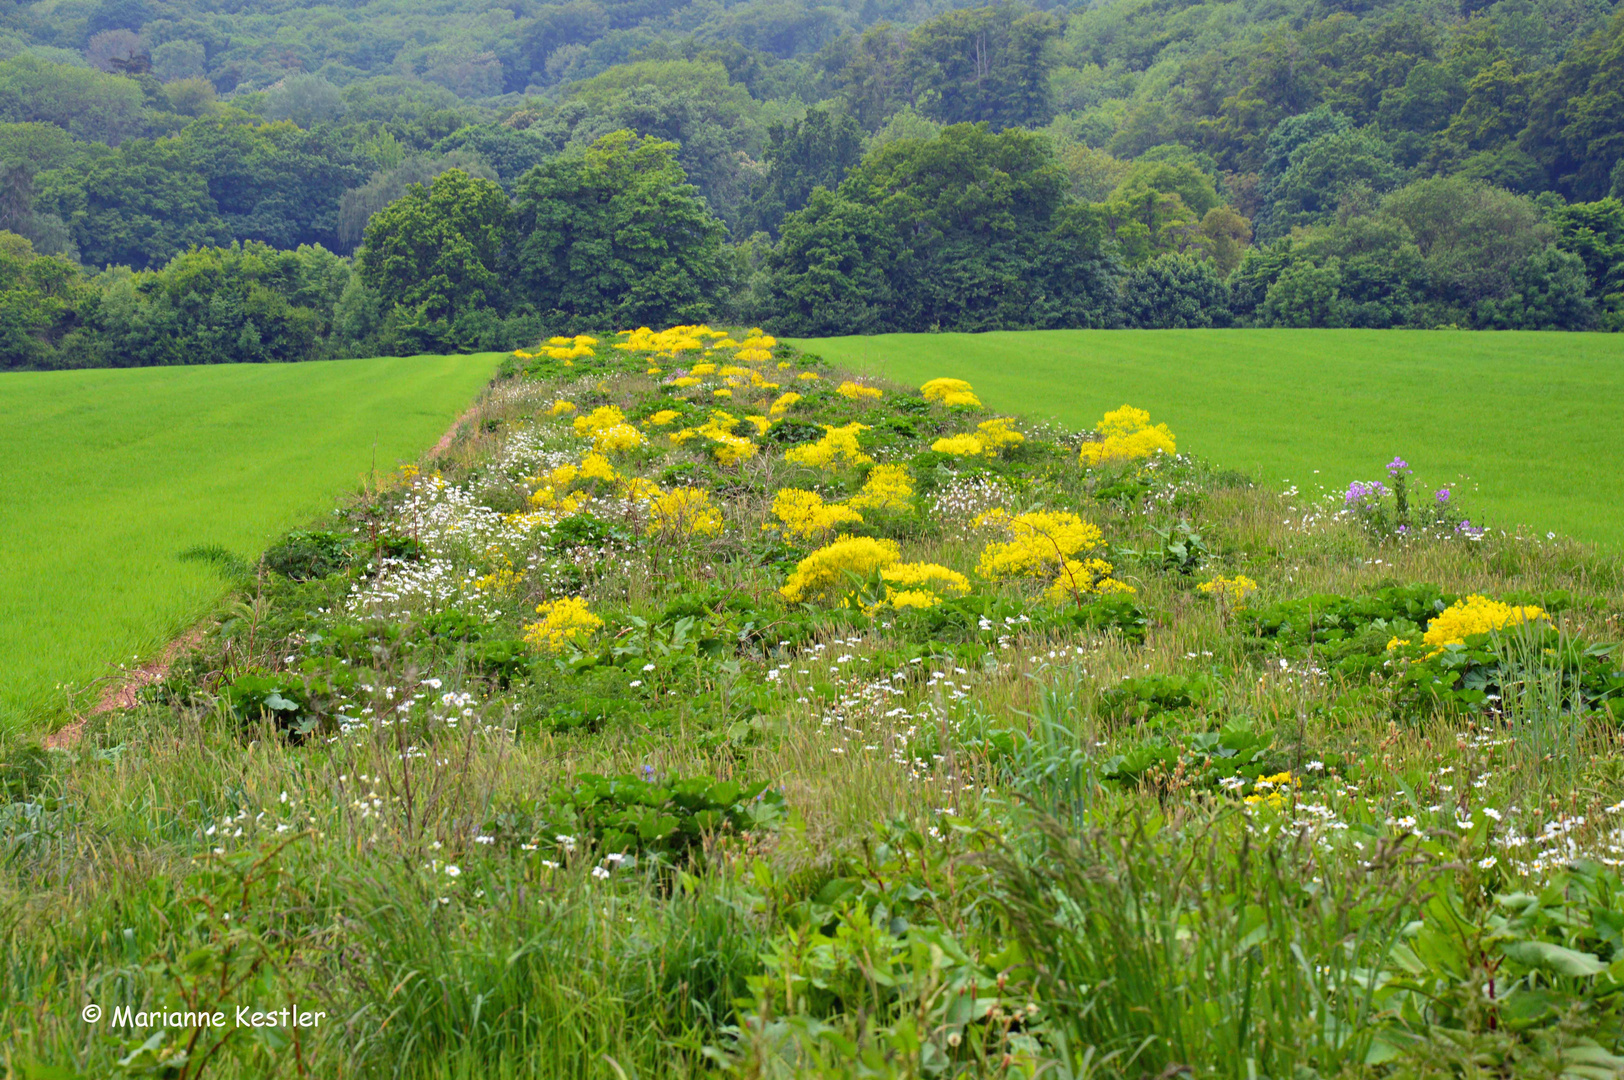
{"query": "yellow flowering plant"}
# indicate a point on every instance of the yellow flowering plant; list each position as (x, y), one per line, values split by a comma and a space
(837, 447)
(887, 488)
(682, 513)
(565, 623)
(1232, 591)
(839, 570)
(1126, 434)
(803, 515)
(1477, 615)
(950, 392)
(858, 392)
(1046, 543)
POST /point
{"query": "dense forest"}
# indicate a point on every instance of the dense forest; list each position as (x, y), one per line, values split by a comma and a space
(195, 181)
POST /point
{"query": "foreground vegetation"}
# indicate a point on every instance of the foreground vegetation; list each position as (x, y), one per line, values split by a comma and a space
(1535, 452)
(131, 498)
(702, 709)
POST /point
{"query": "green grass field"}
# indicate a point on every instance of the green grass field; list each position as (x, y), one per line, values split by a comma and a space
(110, 475)
(1530, 420)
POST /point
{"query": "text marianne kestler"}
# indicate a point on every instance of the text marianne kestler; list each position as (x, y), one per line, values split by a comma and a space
(242, 1016)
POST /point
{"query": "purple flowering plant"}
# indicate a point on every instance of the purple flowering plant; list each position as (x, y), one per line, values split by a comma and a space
(1384, 508)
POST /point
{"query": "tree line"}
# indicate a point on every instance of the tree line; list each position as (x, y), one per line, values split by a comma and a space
(966, 229)
(1242, 164)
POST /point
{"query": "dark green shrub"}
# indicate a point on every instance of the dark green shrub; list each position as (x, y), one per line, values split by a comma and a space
(306, 555)
(1146, 696)
(794, 432)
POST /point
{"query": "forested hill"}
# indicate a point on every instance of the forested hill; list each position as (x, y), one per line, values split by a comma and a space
(1258, 162)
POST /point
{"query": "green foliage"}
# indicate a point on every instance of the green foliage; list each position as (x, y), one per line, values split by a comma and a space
(303, 555)
(920, 236)
(38, 298)
(666, 818)
(1201, 759)
(1143, 697)
(434, 255)
(1176, 292)
(988, 64)
(616, 235)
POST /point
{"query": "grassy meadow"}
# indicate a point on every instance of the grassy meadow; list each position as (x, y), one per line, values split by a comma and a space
(1528, 420)
(729, 716)
(125, 492)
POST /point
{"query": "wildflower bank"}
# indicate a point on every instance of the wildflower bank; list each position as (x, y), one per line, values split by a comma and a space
(843, 729)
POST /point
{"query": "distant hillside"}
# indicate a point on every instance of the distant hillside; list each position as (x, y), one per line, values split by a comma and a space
(1271, 143)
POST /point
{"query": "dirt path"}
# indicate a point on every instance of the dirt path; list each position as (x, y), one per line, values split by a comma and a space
(121, 694)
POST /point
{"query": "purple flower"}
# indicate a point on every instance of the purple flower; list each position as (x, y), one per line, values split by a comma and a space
(1443, 496)
(1360, 492)
(1396, 466)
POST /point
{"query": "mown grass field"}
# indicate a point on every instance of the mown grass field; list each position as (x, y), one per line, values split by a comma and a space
(1530, 420)
(110, 476)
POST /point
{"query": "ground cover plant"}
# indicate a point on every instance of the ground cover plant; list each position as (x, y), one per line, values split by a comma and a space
(705, 709)
(132, 500)
(1537, 450)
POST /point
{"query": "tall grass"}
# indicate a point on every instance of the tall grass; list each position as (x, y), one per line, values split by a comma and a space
(1191, 943)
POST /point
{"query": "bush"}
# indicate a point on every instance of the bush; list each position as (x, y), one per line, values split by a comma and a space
(305, 556)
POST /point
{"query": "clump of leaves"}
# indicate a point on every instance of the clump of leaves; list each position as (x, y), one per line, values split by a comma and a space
(1201, 758)
(668, 817)
(304, 555)
(586, 531)
(1151, 695)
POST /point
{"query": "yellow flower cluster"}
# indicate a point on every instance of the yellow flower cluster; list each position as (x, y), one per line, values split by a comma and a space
(858, 392)
(827, 573)
(809, 376)
(564, 622)
(784, 403)
(950, 392)
(669, 341)
(1230, 590)
(1272, 790)
(1476, 615)
(841, 571)
(1039, 543)
(727, 448)
(567, 349)
(991, 438)
(958, 445)
(606, 426)
(757, 347)
(888, 487)
(501, 581)
(1126, 434)
(683, 512)
(804, 515)
(922, 585)
(1043, 543)
(561, 408)
(661, 418)
(1085, 577)
(838, 446)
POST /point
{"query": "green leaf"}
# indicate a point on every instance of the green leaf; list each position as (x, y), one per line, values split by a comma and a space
(1563, 961)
